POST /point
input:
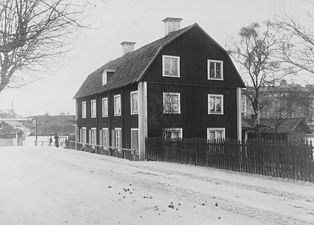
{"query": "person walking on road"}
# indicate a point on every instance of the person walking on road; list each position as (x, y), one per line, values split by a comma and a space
(56, 137)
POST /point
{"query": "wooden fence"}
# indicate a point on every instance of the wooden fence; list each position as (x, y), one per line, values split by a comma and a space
(272, 158)
(125, 153)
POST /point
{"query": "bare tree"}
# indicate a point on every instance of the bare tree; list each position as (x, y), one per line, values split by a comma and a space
(257, 54)
(298, 44)
(32, 31)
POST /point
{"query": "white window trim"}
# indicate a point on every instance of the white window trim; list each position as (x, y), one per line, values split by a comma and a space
(133, 92)
(108, 138)
(83, 109)
(84, 135)
(105, 75)
(208, 70)
(216, 129)
(114, 108)
(222, 104)
(91, 138)
(163, 65)
(175, 129)
(104, 114)
(118, 129)
(91, 108)
(104, 78)
(179, 100)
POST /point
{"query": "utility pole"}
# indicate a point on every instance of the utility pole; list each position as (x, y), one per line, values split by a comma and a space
(36, 139)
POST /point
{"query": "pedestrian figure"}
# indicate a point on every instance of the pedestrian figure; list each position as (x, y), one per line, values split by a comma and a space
(66, 142)
(50, 141)
(56, 137)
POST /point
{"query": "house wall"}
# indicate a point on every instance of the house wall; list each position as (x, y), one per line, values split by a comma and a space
(194, 49)
(126, 121)
(194, 117)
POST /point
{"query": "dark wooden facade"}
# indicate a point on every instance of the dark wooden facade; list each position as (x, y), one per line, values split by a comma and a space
(194, 49)
(126, 121)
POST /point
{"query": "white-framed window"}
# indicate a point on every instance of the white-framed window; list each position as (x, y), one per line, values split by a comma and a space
(83, 135)
(106, 74)
(170, 66)
(215, 69)
(117, 105)
(104, 107)
(104, 77)
(93, 108)
(173, 133)
(116, 138)
(171, 103)
(105, 137)
(215, 104)
(134, 102)
(93, 134)
(215, 134)
(84, 109)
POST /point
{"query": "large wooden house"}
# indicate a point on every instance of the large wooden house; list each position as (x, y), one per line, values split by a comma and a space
(183, 85)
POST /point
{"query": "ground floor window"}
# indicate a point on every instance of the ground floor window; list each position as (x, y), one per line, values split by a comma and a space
(83, 135)
(116, 138)
(173, 133)
(105, 137)
(215, 134)
(92, 136)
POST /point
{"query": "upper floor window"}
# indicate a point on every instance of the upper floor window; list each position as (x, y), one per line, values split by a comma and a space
(215, 134)
(170, 66)
(134, 102)
(215, 69)
(171, 103)
(215, 104)
(93, 108)
(104, 106)
(83, 109)
(117, 105)
(173, 133)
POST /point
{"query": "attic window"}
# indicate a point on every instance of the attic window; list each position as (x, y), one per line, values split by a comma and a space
(106, 74)
(104, 77)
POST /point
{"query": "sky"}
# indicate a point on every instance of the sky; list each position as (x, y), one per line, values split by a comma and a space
(113, 21)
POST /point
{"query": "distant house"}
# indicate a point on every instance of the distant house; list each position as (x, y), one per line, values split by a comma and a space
(284, 129)
(10, 134)
(183, 85)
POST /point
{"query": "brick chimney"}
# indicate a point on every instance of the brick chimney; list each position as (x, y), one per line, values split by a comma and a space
(127, 46)
(171, 24)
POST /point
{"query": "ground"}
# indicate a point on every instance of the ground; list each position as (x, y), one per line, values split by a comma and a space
(48, 185)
